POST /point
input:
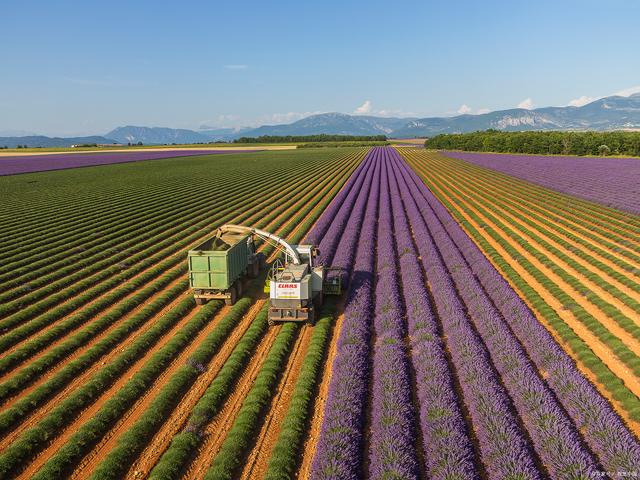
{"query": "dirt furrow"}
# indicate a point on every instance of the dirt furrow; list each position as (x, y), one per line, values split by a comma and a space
(603, 293)
(216, 431)
(287, 213)
(42, 411)
(46, 375)
(577, 221)
(82, 308)
(313, 434)
(257, 461)
(203, 232)
(576, 296)
(600, 349)
(177, 421)
(558, 228)
(91, 461)
(89, 412)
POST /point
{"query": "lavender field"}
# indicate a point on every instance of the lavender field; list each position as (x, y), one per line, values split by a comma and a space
(12, 165)
(438, 366)
(610, 181)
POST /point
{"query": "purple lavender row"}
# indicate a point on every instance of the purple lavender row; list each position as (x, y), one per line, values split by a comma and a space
(339, 451)
(12, 165)
(603, 430)
(392, 452)
(554, 436)
(614, 182)
(447, 446)
(340, 206)
(345, 251)
(503, 447)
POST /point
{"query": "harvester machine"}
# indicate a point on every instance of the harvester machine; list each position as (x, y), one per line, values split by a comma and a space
(296, 282)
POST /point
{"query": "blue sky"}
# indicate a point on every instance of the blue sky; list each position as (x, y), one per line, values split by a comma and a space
(86, 67)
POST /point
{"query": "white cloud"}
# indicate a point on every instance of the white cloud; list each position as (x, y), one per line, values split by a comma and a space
(464, 109)
(580, 101)
(236, 67)
(526, 103)
(482, 110)
(364, 108)
(584, 99)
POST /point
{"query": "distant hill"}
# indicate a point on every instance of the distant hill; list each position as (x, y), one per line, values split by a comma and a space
(41, 141)
(609, 113)
(332, 124)
(156, 135)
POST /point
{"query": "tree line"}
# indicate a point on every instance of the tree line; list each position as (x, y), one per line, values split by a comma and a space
(554, 143)
(343, 144)
(311, 138)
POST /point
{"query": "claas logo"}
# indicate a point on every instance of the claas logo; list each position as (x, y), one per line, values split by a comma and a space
(287, 285)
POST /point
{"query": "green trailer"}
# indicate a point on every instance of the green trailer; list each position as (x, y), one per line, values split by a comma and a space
(219, 266)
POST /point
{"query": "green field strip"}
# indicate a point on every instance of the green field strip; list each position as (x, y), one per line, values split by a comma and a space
(246, 424)
(137, 216)
(288, 449)
(19, 241)
(131, 444)
(619, 348)
(210, 183)
(16, 305)
(511, 215)
(113, 191)
(26, 375)
(22, 332)
(15, 457)
(543, 217)
(56, 225)
(201, 185)
(561, 203)
(73, 255)
(117, 231)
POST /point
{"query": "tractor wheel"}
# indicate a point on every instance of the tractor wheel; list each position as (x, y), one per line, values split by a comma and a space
(256, 268)
(239, 288)
(311, 321)
(201, 301)
(262, 261)
(317, 302)
(232, 294)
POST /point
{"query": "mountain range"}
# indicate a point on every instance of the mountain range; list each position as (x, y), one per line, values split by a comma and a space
(608, 113)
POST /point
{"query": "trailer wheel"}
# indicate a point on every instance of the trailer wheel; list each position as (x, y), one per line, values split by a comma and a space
(239, 288)
(201, 301)
(255, 268)
(232, 295)
(270, 322)
(311, 321)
